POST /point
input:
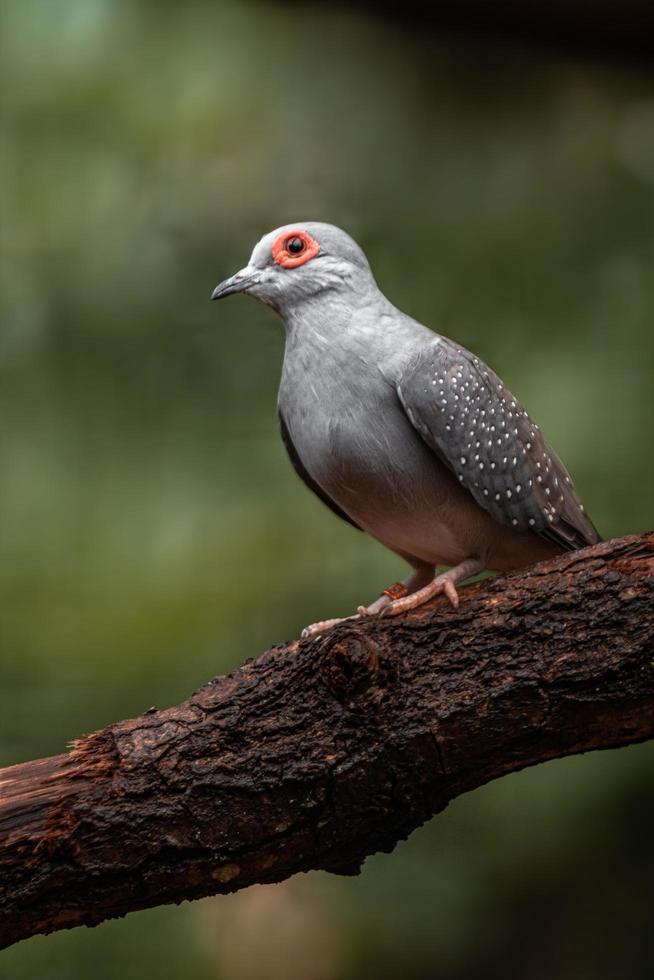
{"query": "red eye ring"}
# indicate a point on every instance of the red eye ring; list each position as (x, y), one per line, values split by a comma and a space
(288, 259)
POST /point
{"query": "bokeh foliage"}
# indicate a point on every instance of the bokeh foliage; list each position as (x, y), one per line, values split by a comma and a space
(152, 532)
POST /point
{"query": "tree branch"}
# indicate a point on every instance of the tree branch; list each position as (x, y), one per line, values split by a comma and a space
(322, 752)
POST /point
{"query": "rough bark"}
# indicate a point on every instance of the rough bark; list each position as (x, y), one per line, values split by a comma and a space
(320, 753)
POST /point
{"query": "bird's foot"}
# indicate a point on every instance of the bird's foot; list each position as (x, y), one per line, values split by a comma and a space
(407, 595)
(444, 583)
(389, 605)
(377, 608)
(315, 629)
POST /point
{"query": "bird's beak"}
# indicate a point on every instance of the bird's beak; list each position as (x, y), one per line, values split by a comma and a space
(240, 282)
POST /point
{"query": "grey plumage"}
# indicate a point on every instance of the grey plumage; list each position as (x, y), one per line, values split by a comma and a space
(299, 468)
(399, 430)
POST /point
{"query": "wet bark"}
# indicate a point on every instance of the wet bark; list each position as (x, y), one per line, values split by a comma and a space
(319, 753)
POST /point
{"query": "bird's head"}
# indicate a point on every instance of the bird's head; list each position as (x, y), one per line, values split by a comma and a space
(298, 262)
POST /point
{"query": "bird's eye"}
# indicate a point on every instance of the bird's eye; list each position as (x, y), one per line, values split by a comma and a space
(292, 248)
(295, 246)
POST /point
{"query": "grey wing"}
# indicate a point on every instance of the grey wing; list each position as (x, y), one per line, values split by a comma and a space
(299, 468)
(477, 428)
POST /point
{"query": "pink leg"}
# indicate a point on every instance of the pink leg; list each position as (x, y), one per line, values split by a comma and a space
(442, 583)
(422, 574)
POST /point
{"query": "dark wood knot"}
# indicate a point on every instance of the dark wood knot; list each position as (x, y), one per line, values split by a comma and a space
(353, 666)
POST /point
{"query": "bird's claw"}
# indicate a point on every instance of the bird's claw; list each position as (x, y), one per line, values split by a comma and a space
(386, 606)
(376, 608)
(441, 584)
(315, 629)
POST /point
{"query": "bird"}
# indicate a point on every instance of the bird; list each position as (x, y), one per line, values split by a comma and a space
(401, 431)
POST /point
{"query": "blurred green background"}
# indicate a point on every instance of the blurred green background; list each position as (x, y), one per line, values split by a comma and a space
(152, 532)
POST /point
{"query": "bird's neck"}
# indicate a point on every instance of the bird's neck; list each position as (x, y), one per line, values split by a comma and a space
(338, 320)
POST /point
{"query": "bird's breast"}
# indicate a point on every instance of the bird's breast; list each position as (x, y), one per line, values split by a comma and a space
(350, 432)
(358, 445)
